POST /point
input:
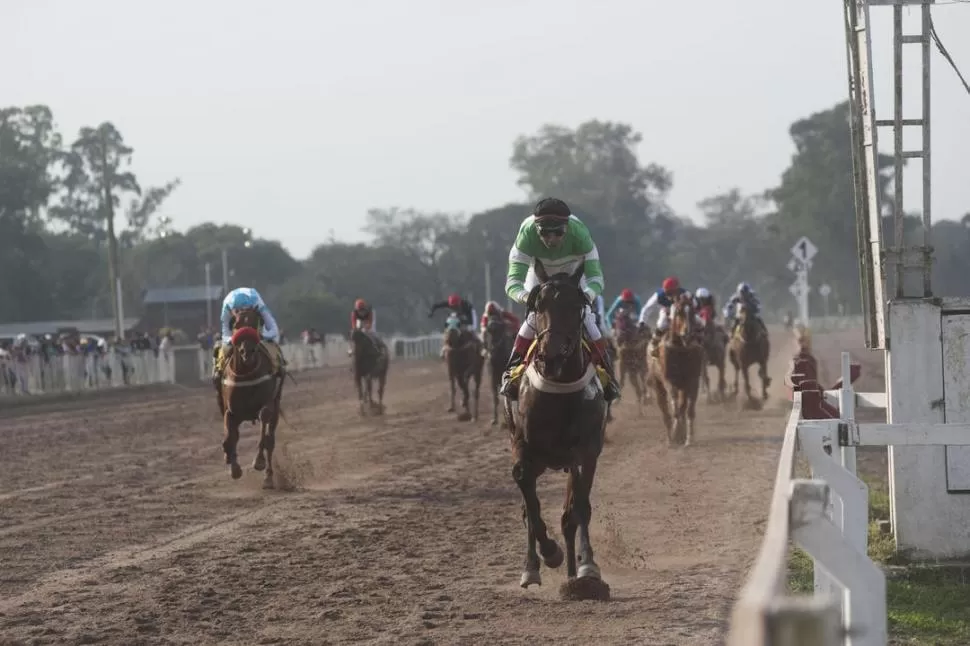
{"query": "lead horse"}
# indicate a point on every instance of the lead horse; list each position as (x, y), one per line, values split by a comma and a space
(676, 373)
(498, 342)
(370, 364)
(558, 422)
(749, 345)
(250, 391)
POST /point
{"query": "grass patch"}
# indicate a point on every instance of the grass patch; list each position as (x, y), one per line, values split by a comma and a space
(927, 605)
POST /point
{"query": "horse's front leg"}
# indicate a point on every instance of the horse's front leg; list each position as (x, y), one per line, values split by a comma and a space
(747, 381)
(270, 418)
(230, 442)
(360, 393)
(765, 379)
(525, 477)
(496, 384)
(451, 383)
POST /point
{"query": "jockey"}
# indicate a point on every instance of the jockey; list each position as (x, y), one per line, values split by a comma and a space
(626, 298)
(363, 317)
(744, 294)
(704, 299)
(243, 298)
(460, 306)
(561, 241)
(493, 309)
(662, 299)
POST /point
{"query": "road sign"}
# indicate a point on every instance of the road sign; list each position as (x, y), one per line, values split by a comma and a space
(804, 250)
(797, 289)
(824, 290)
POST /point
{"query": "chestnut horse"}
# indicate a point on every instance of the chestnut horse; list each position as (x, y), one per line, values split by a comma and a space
(631, 343)
(715, 340)
(498, 339)
(749, 345)
(370, 363)
(558, 422)
(676, 373)
(251, 391)
(463, 352)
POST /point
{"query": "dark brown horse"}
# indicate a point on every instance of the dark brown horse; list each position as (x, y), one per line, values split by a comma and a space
(715, 341)
(251, 391)
(370, 363)
(463, 352)
(498, 341)
(558, 421)
(749, 345)
(631, 342)
(676, 373)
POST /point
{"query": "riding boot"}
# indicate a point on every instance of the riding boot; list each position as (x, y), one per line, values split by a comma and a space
(611, 391)
(509, 386)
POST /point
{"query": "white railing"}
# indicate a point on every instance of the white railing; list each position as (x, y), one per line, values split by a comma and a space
(75, 373)
(78, 372)
(849, 604)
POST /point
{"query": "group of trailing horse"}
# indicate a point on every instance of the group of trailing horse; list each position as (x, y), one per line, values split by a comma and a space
(676, 369)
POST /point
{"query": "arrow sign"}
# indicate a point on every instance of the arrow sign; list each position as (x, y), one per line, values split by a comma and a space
(804, 250)
(824, 290)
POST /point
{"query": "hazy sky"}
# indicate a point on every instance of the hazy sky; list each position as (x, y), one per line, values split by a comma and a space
(295, 117)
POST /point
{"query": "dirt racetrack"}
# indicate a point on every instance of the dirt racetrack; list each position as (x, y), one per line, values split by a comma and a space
(119, 524)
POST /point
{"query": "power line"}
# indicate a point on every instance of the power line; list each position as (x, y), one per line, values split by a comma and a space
(946, 54)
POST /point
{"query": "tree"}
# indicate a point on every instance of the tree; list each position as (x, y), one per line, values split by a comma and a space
(594, 166)
(96, 180)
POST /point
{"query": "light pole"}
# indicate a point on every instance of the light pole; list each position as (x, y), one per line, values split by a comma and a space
(247, 242)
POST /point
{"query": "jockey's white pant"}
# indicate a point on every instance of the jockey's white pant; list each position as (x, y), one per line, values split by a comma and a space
(528, 329)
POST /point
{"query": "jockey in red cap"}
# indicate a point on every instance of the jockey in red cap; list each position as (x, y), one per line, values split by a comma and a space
(663, 298)
(465, 312)
(626, 299)
(493, 309)
(363, 317)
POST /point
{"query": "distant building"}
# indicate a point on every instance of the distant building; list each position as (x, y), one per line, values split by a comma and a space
(182, 308)
(100, 327)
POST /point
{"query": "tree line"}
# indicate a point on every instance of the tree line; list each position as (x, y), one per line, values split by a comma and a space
(74, 216)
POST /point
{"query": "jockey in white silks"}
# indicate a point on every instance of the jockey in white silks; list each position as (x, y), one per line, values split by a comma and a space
(662, 299)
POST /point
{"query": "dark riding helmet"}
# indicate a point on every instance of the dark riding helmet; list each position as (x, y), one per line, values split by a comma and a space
(551, 212)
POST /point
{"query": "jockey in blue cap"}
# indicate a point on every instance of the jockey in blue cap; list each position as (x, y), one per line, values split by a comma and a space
(243, 298)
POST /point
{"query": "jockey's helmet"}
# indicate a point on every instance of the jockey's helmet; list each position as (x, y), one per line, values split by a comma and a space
(492, 308)
(243, 299)
(671, 284)
(626, 294)
(360, 304)
(454, 301)
(744, 288)
(551, 218)
(702, 293)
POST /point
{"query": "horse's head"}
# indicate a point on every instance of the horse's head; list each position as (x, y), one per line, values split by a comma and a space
(452, 330)
(624, 324)
(682, 320)
(496, 331)
(559, 304)
(245, 340)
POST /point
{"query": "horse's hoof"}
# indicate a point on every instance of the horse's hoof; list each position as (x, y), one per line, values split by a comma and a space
(236, 471)
(530, 577)
(464, 417)
(451, 409)
(259, 463)
(555, 559)
(584, 588)
(494, 422)
(268, 482)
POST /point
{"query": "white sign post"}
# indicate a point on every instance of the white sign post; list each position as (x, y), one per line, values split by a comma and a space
(824, 291)
(802, 253)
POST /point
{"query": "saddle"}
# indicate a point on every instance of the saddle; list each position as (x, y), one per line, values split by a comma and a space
(520, 369)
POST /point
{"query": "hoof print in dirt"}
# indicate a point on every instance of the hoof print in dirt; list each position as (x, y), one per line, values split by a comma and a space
(584, 589)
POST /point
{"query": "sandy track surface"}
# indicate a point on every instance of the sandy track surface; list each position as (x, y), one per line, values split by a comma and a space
(119, 524)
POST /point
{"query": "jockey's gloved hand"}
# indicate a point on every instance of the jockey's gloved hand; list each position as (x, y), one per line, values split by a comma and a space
(590, 296)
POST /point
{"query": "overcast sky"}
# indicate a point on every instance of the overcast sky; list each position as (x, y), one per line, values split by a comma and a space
(294, 117)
